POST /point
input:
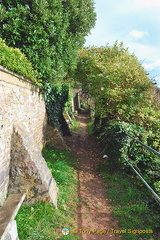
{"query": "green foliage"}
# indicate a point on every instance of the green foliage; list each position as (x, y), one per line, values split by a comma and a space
(42, 220)
(59, 162)
(49, 32)
(75, 126)
(90, 128)
(119, 85)
(118, 146)
(55, 98)
(132, 206)
(15, 60)
(124, 102)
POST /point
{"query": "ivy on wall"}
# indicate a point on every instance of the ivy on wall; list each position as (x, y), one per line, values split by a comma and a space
(55, 99)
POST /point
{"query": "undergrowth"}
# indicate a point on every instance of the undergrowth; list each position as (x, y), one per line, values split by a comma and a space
(42, 221)
(132, 204)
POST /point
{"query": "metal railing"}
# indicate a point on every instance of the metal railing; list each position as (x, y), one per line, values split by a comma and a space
(149, 148)
(157, 198)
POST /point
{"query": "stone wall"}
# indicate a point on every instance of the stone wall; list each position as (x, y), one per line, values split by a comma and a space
(22, 128)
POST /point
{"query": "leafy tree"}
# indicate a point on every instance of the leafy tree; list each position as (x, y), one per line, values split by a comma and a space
(124, 103)
(118, 83)
(49, 32)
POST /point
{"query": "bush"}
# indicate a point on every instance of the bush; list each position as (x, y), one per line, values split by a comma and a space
(119, 147)
(15, 60)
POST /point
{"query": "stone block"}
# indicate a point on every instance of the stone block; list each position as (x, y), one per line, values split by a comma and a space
(54, 139)
(3, 190)
(12, 233)
(1, 177)
(8, 228)
(29, 171)
(53, 192)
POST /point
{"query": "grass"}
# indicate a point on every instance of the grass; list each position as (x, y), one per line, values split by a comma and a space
(75, 126)
(133, 205)
(42, 221)
(90, 128)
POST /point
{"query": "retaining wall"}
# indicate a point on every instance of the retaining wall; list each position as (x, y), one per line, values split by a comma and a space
(22, 130)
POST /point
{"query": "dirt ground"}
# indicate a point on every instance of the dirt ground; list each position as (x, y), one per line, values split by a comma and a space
(94, 212)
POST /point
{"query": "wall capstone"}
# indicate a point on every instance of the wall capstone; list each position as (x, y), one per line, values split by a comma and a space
(8, 226)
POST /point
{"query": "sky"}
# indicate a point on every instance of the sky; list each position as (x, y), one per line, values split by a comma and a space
(136, 23)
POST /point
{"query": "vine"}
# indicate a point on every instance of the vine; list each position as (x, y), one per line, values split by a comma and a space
(55, 98)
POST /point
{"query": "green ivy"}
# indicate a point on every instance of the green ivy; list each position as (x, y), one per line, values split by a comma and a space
(55, 98)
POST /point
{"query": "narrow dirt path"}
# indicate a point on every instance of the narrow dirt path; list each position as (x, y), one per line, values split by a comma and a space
(94, 211)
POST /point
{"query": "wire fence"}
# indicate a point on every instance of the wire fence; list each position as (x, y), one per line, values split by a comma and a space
(157, 198)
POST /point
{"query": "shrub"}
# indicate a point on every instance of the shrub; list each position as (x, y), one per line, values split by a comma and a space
(119, 147)
(15, 60)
